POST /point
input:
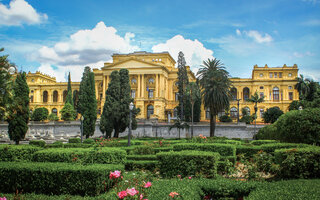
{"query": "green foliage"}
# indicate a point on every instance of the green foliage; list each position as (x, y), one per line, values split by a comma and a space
(142, 157)
(247, 150)
(187, 163)
(222, 149)
(270, 148)
(247, 119)
(87, 105)
(69, 98)
(299, 162)
(19, 111)
(260, 142)
(56, 178)
(302, 86)
(179, 125)
(291, 189)
(143, 150)
(40, 143)
(89, 141)
(141, 165)
(215, 83)
(225, 118)
(40, 114)
(268, 132)
(67, 112)
(300, 126)
(183, 81)
(74, 140)
(294, 105)
(84, 156)
(17, 153)
(53, 117)
(272, 114)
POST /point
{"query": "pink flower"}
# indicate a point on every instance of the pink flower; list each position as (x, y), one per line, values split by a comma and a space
(132, 191)
(3, 198)
(115, 174)
(148, 184)
(173, 194)
(122, 194)
(190, 177)
(179, 176)
(141, 196)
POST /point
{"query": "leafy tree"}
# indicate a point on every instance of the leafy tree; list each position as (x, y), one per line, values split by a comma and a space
(314, 91)
(67, 112)
(19, 109)
(294, 105)
(182, 84)
(302, 86)
(246, 116)
(225, 118)
(69, 98)
(272, 114)
(115, 115)
(193, 91)
(179, 125)
(255, 99)
(53, 117)
(39, 114)
(215, 83)
(87, 105)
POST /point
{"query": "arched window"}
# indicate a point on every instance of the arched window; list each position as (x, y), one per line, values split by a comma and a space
(234, 94)
(261, 112)
(133, 81)
(234, 112)
(54, 111)
(247, 109)
(151, 81)
(275, 92)
(149, 111)
(55, 96)
(150, 93)
(133, 94)
(65, 93)
(246, 93)
(45, 96)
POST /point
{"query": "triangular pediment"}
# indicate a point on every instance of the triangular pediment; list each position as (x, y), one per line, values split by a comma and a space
(132, 64)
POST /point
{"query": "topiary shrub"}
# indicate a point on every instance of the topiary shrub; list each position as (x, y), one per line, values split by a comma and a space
(17, 152)
(74, 140)
(39, 114)
(40, 143)
(300, 126)
(272, 114)
(268, 132)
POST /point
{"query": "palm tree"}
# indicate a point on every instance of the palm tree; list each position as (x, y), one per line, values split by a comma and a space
(215, 83)
(302, 86)
(255, 99)
(194, 91)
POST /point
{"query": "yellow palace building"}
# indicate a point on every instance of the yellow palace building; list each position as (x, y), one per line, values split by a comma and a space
(153, 79)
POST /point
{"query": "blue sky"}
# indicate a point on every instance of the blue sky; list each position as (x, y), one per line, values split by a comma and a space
(58, 36)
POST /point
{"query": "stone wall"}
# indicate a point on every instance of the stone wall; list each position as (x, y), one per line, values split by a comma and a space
(63, 130)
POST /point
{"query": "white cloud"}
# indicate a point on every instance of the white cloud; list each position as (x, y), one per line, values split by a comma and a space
(258, 37)
(194, 51)
(83, 48)
(301, 55)
(238, 32)
(20, 12)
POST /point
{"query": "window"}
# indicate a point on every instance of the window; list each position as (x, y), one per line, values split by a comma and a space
(261, 75)
(248, 110)
(65, 95)
(261, 112)
(275, 94)
(31, 99)
(133, 94)
(289, 74)
(261, 87)
(151, 81)
(45, 97)
(290, 95)
(54, 111)
(280, 74)
(55, 96)
(32, 80)
(290, 87)
(149, 111)
(270, 75)
(276, 75)
(133, 81)
(234, 94)
(175, 113)
(150, 94)
(31, 91)
(207, 113)
(261, 94)
(246, 93)
(176, 96)
(234, 112)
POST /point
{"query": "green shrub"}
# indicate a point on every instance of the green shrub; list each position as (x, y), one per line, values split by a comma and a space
(40, 143)
(247, 119)
(74, 140)
(188, 163)
(236, 142)
(260, 142)
(272, 114)
(268, 132)
(77, 145)
(17, 152)
(143, 150)
(39, 114)
(270, 148)
(142, 157)
(300, 126)
(56, 178)
(225, 118)
(222, 149)
(53, 117)
(247, 150)
(162, 149)
(102, 156)
(57, 144)
(89, 141)
(292, 189)
(141, 164)
(299, 163)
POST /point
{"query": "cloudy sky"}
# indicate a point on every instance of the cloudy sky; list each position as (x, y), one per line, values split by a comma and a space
(59, 36)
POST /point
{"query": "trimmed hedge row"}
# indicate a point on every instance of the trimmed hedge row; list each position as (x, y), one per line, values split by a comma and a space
(260, 142)
(56, 178)
(299, 163)
(141, 164)
(188, 163)
(142, 157)
(40, 143)
(17, 152)
(222, 149)
(102, 156)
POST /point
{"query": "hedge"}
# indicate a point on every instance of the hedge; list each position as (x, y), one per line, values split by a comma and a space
(103, 155)
(298, 163)
(77, 145)
(141, 164)
(270, 148)
(142, 157)
(247, 150)
(142, 150)
(162, 149)
(292, 189)
(188, 163)
(236, 142)
(56, 178)
(17, 152)
(222, 149)
(74, 140)
(40, 143)
(260, 142)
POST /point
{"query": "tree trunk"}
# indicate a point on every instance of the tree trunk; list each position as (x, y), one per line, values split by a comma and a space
(17, 142)
(116, 133)
(179, 133)
(87, 136)
(192, 120)
(212, 124)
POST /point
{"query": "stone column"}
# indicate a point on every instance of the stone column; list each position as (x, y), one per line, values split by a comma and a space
(157, 86)
(139, 85)
(142, 86)
(104, 88)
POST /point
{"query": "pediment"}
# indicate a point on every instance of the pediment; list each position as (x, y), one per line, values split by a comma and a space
(132, 64)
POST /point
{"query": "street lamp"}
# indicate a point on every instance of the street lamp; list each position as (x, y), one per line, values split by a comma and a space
(81, 119)
(238, 100)
(131, 106)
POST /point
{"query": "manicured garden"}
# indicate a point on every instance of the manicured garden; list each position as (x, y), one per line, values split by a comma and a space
(156, 168)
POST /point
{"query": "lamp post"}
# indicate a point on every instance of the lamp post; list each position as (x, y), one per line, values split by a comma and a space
(238, 100)
(131, 105)
(81, 119)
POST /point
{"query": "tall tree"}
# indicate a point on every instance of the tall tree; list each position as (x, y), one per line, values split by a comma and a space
(19, 110)
(215, 83)
(69, 98)
(115, 115)
(302, 87)
(255, 99)
(87, 105)
(182, 84)
(193, 91)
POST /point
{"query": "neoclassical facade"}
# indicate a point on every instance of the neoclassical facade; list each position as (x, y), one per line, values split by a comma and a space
(153, 79)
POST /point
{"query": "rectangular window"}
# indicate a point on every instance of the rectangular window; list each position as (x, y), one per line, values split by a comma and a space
(280, 74)
(261, 94)
(207, 113)
(270, 75)
(150, 94)
(276, 75)
(177, 96)
(290, 95)
(133, 94)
